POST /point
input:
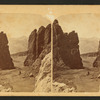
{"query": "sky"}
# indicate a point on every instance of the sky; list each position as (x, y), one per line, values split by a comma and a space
(20, 24)
(17, 25)
(87, 25)
(21, 20)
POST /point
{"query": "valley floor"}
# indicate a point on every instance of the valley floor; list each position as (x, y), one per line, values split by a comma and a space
(17, 79)
(83, 80)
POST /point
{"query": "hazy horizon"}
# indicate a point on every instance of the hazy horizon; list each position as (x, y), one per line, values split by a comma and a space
(86, 25)
(20, 24)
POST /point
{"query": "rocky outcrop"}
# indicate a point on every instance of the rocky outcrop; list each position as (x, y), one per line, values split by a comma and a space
(43, 79)
(62, 88)
(40, 41)
(39, 58)
(96, 63)
(5, 59)
(37, 42)
(31, 49)
(66, 52)
(4, 89)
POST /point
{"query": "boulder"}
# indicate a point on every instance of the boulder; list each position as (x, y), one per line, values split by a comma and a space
(31, 75)
(98, 76)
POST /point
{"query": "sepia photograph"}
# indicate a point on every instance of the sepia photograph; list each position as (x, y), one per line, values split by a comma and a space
(49, 50)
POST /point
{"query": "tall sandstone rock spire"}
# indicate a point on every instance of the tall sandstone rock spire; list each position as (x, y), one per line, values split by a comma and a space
(31, 49)
(5, 59)
(65, 48)
(96, 63)
(39, 58)
(38, 42)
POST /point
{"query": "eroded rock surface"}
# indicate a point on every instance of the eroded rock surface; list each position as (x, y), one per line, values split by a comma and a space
(66, 52)
(38, 41)
(43, 79)
(5, 58)
(96, 63)
(62, 88)
(31, 49)
(39, 58)
(3, 89)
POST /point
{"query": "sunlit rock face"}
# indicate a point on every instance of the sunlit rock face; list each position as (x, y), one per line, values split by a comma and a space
(65, 48)
(5, 58)
(43, 79)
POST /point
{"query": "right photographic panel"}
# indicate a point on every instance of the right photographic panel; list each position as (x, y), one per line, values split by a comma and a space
(76, 53)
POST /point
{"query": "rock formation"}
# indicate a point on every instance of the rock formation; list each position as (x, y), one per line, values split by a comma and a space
(65, 53)
(43, 79)
(31, 49)
(97, 60)
(39, 57)
(65, 49)
(37, 42)
(63, 88)
(5, 59)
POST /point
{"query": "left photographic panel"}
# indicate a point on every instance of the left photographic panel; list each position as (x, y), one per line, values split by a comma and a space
(25, 53)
